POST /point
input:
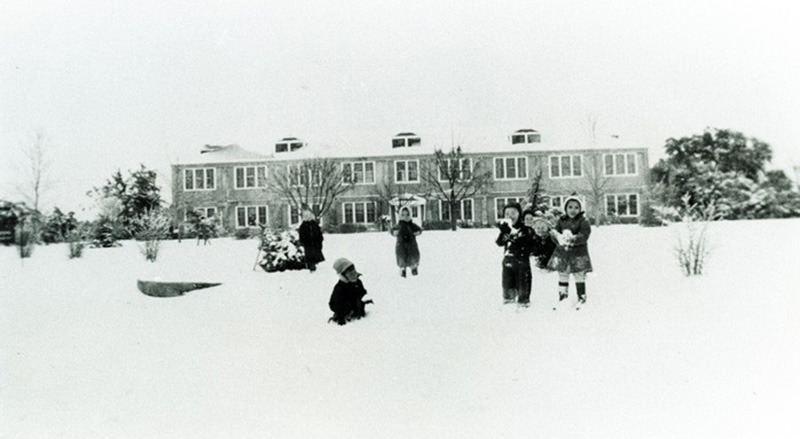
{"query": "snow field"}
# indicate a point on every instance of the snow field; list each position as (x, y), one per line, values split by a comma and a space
(652, 354)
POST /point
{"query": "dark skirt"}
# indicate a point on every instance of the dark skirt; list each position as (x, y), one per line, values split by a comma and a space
(314, 254)
(407, 254)
(566, 261)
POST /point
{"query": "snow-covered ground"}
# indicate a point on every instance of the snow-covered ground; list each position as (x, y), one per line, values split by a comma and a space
(653, 354)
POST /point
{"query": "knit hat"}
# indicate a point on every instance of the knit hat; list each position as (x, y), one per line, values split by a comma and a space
(341, 265)
(573, 198)
(513, 205)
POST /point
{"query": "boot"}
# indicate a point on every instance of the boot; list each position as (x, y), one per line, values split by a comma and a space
(403, 272)
(414, 271)
(581, 287)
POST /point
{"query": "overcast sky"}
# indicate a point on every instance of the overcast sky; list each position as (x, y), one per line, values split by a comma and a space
(114, 84)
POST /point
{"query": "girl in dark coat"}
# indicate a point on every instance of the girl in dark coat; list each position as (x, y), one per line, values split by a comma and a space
(572, 252)
(311, 240)
(516, 240)
(406, 250)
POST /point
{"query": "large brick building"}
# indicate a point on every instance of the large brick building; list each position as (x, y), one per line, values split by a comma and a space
(230, 183)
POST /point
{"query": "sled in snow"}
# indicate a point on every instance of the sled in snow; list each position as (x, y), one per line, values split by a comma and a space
(170, 289)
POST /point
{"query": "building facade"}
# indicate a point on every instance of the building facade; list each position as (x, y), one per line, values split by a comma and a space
(231, 184)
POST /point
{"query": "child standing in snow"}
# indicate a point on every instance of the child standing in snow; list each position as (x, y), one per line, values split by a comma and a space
(311, 239)
(406, 250)
(542, 244)
(346, 301)
(515, 239)
(572, 252)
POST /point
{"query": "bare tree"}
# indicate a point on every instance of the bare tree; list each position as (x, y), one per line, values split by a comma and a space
(593, 167)
(387, 190)
(452, 177)
(315, 182)
(36, 180)
(538, 199)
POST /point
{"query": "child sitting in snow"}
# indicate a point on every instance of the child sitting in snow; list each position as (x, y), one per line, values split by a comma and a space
(347, 298)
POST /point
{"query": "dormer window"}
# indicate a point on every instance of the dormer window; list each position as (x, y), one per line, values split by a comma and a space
(405, 140)
(288, 144)
(525, 136)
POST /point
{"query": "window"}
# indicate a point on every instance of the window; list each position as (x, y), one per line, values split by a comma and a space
(517, 138)
(299, 175)
(359, 172)
(622, 205)
(208, 212)
(404, 140)
(525, 136)
(620, 164)
(463, 166)
(296, 217)
(464, 211)
(510, 168)
(358, 212)
(250, 177)
(406, 171)
(566, 166)
(534, 138)
(199, 179)
(294, 146)
(500, 202)
(251, 216)
(281, 147)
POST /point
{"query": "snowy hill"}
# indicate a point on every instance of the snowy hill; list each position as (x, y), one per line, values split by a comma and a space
(653, 354)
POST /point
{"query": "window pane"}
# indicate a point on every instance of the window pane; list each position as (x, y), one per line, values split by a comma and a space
(577, 169)
(534, 138)
(499, 207)
(398, 143)
(188, 180)
(511, 168)
(281, 147)
(445, 210)
(251, 216)
(198, 179)
(400, 171)
(209, 179)
(523, 167)
(611, 208)
(262, 176)
(414, 211)
(554, 169)
(633, 204)
(517, 138)
(262, 214)
(467, 210)
(619, 164)
(412, 141)
(295, 146)
(358, 172)
(631, 164)
(369, 173)
(412, 171)
(499, 169)
(371, 212)
(566, 166)
(622, 205)
(251, 177)
(360, 218)
(348, 212)
(466, 169)
(240, 217)
(239, 177)
(555, 201)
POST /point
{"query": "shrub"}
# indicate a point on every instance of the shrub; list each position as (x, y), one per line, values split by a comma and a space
(244, 233)
(150, 228)
(76, 242)
(349, 228)
(280, 251)
(436, 225)
(691, 246)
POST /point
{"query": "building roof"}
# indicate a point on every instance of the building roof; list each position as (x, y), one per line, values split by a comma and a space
(366, 148)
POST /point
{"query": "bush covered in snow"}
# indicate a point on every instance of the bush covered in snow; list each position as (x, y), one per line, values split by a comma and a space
(280, 251)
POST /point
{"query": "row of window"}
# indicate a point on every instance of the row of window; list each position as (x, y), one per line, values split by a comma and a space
(365, 212)
(407, 171)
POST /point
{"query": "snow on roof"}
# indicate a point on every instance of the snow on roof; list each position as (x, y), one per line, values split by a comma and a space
(223, 154)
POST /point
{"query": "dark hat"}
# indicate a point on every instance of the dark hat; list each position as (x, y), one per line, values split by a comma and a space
(513, 205)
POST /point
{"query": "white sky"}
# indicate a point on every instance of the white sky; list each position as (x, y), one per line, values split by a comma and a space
(114, 84)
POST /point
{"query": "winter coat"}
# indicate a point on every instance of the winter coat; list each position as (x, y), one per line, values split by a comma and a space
(515, 240)
(346, 299)
(542, 249)
(406, 250)
(311, 239)
(572, 257)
